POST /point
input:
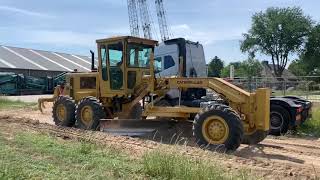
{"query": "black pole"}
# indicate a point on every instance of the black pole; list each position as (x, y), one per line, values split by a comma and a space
(92, 60)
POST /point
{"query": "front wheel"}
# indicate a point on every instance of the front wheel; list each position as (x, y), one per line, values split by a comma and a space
(135, 112)
(218, 127)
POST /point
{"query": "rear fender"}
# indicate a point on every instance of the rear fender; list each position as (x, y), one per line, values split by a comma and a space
(262, 117)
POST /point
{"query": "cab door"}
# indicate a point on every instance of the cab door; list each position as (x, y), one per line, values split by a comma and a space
(116, 64)
(112, 68)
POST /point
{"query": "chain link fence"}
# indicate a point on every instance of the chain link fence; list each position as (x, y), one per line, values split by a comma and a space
(307, 87)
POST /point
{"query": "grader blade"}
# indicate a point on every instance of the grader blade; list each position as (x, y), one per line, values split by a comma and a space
(127, 127)
(132, 132)
(166, 131)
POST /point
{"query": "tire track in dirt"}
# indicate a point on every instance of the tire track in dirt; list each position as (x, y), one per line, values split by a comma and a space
(293, 149)
(271, 159)
(311, 143)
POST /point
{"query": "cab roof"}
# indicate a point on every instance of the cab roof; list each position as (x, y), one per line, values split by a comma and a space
(129, 39)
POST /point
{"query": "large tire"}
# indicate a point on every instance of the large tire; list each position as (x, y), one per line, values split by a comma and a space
(218, 128)
(63, 111)
(255, 138)
(136, 112)
(88, 113)
(279, 120)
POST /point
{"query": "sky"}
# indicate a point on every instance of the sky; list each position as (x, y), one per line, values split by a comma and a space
(72, 26)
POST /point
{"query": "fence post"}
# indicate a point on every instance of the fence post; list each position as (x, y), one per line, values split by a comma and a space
(307, 88)
(285, 87)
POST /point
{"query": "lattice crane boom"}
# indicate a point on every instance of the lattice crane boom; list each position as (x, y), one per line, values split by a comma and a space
(145, 18)
(133, 18)
(162, 20)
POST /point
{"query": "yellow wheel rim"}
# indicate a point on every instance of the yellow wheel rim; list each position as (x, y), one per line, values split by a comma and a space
(61, 112)
(215, 130)
(86, 115)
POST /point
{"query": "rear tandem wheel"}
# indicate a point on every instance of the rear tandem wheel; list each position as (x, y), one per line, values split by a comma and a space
(63, 111)
(88, 113)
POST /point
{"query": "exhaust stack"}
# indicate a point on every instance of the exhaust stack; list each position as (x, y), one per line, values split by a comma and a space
(92, 61)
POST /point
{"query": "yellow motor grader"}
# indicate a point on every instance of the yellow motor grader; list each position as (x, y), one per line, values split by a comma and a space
(124, 89)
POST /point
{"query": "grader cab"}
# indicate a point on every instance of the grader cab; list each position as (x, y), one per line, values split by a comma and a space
(124, 89)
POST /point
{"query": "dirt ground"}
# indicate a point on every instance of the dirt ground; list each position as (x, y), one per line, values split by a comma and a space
(274, 158)
(28, 98)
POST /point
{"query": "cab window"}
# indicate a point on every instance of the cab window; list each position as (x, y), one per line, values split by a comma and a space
(115, 54)
(139, 56)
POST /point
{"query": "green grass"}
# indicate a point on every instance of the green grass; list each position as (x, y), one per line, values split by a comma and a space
(312, 126)
(38, 156)
(32, 156)
(5, 103)
(166, 165)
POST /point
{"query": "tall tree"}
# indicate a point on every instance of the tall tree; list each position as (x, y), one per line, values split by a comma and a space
(277, 32)
(215, 66)
(309, 62)
(311, 56)
(298, 68)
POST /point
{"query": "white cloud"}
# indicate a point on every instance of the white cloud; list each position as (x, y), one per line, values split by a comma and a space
(116, 2)
(206, 36)
(60, 38)
(24, 12)
(180, 27)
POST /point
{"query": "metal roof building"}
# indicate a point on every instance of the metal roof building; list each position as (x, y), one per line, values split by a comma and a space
(41, 63)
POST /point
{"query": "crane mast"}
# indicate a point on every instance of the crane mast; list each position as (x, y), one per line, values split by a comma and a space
(133, 18)
(138, 10)
(145, 18)
(162, 20)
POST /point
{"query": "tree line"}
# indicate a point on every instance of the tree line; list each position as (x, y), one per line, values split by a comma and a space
(281, 34)
(248, 68)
